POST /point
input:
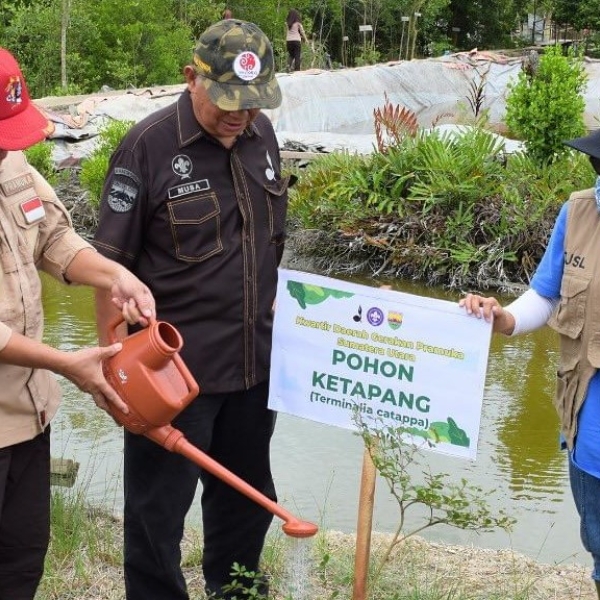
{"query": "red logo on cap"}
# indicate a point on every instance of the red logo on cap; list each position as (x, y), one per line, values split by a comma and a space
(248, 61)
(247, 66)
(14, 90)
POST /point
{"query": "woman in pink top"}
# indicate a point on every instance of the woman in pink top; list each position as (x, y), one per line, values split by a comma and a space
(294, 37)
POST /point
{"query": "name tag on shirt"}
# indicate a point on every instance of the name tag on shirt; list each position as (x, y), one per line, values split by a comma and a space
(33, 210)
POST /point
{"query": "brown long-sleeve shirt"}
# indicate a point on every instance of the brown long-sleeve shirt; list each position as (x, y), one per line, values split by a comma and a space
(35, 233)
(203, 226)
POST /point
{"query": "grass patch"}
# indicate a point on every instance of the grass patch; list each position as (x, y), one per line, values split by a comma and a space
(84, 562)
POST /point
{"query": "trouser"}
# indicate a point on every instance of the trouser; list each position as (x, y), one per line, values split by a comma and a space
(235, 429)
(294, 49)
(586, 494)
(24, 516)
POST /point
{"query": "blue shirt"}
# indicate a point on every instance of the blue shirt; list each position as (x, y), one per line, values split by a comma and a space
(546, 282)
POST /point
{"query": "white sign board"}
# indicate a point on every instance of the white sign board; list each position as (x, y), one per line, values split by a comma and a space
(343, 350)
(365, 27)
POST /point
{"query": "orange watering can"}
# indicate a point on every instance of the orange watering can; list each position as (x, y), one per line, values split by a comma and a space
(156, 385)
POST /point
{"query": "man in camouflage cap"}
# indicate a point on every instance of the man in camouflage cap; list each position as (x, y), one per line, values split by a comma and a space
(195, 204)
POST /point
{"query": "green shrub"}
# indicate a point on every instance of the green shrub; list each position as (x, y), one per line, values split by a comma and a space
(545, 106)
(95, 167)
(39, 157)
(334, 189)
(446, 209)
(368, 56)
(455, 169)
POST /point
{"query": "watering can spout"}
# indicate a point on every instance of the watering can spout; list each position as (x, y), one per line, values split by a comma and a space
(153, 381)
(173, 440)
(299, 529)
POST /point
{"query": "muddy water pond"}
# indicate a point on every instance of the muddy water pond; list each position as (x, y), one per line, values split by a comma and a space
(317, 468)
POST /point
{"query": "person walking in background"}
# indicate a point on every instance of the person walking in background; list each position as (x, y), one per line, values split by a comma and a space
(565, 293)
(205, 229)
(36, 233)
(294, 37)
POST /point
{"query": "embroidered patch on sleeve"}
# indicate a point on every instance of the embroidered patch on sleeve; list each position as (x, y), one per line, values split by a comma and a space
(124, 189)
(16, 185)
(33, 210)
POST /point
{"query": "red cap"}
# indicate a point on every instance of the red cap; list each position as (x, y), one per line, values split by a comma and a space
(21, 123)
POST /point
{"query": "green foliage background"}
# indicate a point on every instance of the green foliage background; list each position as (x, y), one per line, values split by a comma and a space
(121, 43)
(95, 167)
(546, 107)
(39, 156)
(442, 209)
(109, 42)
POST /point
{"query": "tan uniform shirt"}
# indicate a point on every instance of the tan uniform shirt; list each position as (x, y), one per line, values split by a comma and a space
(35, 233)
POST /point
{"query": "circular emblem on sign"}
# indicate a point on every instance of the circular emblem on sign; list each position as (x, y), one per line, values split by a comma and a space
(246, 66)
(375, 316)
(182, 166)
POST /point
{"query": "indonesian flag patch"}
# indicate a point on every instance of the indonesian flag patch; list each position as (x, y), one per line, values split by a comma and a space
(33, 210)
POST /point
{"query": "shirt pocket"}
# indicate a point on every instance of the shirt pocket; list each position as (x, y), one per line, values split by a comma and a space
(196, 227)
(569, 317)
(277, 206)
(9, 286)
(17, 263)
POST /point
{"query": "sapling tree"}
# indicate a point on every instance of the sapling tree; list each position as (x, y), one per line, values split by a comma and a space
(446, 501)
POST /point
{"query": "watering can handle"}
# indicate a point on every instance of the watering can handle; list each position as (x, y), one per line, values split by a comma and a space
(191, 383)
(114, 324)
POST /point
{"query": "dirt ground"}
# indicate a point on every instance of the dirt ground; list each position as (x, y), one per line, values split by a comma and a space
(419, 569)
(484, 574)
(76, 200)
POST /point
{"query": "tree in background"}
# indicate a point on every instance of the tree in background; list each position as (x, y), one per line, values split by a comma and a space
(121, 43)
(117, 43)
(8, 8)
(546, 106)
(485, 24)
(580, 14)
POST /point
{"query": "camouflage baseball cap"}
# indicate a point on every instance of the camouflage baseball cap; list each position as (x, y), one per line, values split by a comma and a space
(236, 59)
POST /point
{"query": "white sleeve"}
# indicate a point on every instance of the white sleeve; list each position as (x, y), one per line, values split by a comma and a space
(530, 311)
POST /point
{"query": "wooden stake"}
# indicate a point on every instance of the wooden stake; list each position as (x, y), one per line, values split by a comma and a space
(364, 527)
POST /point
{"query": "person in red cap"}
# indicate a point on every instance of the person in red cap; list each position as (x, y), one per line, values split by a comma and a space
(36, 233)
(565, 293)
(203, 224)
